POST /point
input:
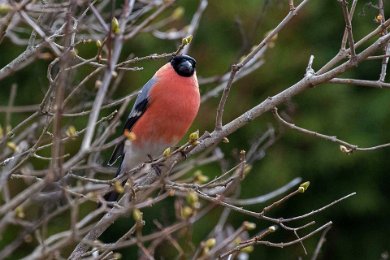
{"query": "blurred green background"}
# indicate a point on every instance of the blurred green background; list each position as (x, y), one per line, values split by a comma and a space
(359, 115)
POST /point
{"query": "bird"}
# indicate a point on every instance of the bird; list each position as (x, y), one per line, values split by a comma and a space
(163, 111)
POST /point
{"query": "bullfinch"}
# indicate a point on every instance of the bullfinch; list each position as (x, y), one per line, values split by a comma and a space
(164, 110)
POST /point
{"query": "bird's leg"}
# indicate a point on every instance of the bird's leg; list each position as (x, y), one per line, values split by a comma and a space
(184, 154)
(156, 167)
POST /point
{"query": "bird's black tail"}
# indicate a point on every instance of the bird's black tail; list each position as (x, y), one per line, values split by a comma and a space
(113, 195)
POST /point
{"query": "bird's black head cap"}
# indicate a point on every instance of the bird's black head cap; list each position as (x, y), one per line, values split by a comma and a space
(184, 65)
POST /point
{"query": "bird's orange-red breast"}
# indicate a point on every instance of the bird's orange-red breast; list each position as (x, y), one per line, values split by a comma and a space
(173, 105)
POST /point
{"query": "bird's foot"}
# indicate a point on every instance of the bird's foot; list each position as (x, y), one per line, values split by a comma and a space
(181, 150)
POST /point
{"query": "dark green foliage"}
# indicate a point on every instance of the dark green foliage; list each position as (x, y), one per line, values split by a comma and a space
(356, 114)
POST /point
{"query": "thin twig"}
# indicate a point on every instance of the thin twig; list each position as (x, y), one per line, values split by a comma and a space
(348, 25)
(266, 197)
(320, 243)
(360, 82)
(236, 67)
(195, 22)
(386, 48)
(350, 147)
(280, 245)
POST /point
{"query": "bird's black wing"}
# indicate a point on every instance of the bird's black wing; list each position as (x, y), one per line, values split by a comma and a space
(140, 106)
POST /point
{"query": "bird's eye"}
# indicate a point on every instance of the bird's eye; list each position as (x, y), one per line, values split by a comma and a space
(184, 65)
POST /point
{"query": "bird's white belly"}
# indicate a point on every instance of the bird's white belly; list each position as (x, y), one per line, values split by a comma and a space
(134, 155)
